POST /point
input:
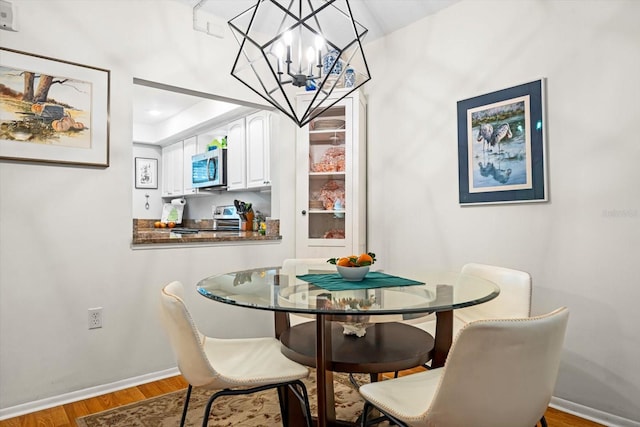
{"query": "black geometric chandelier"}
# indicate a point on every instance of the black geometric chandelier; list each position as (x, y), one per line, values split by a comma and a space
(292, 46)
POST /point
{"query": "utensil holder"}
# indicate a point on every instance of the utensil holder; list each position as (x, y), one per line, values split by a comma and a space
(246, 223)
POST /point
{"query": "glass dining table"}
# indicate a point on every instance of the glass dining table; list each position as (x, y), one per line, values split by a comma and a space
(376, 309)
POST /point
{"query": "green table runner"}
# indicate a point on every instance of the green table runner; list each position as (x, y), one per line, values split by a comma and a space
(373, 279)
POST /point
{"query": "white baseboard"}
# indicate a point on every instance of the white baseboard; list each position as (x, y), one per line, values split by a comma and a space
(591, 414)
(50, 402)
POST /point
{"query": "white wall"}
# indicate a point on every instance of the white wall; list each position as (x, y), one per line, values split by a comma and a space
(583, 247)
(65, 232)
(580, 255)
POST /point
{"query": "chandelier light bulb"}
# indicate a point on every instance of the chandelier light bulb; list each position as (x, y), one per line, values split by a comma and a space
(279, 50)
(319, 45)
(288, 38)
(310, 55)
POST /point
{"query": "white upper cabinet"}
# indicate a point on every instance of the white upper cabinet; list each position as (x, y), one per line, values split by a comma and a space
(248, 152)
(172, 170)
(258, 127)
(190, 148)
(236, 156)
(176, 167)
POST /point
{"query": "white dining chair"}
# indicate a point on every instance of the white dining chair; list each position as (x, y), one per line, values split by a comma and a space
(228, 366)
(499, 373)
(514, 300)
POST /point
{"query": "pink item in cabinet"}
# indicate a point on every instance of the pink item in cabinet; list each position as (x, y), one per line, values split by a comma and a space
(332, 160)
(334, 234)
(330, 192)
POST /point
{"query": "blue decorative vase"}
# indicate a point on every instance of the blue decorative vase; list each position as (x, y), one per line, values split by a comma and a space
(311, 85)
(327, 62)
(349, 78)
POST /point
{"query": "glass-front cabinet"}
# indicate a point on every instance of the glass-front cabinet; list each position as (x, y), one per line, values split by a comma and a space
(331, 180)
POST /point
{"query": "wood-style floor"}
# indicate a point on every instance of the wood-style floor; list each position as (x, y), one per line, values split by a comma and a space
(65, 415)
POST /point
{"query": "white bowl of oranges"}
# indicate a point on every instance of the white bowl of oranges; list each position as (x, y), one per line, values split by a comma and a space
(353, 268)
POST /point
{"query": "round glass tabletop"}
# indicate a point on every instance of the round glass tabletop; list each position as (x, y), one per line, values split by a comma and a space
(310, 290)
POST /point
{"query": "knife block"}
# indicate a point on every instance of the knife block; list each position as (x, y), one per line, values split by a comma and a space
(246, 223)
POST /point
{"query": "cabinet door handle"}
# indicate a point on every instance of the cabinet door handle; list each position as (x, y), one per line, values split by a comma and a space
(304, 212)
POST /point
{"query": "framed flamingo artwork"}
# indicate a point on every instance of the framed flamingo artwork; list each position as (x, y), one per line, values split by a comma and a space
(53, 111)
(501, 152)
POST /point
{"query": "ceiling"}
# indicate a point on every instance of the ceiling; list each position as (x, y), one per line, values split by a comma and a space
(152, 106)
(381, 17)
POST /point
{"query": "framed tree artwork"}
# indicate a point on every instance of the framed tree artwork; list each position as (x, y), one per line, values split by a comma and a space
(53, 111)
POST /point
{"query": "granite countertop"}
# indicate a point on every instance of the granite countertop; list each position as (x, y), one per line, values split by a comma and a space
(144, 233)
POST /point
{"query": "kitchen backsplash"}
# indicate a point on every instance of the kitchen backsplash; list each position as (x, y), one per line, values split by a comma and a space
(201, 207)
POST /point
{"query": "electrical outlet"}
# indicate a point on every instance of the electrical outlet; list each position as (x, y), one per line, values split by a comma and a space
(95, 318)
(7, 16)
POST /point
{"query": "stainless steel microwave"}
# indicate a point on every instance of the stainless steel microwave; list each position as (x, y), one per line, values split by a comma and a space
(209, 169)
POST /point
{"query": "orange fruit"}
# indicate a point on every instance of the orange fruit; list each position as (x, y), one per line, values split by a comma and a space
(157, 224)
(344, 262)
(171, 224)
(365, 259)
(163, 225)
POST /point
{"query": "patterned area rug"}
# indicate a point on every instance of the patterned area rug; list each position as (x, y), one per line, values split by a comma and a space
(257, 410)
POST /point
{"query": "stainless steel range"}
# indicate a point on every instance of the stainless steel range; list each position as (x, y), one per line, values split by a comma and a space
(225, 218)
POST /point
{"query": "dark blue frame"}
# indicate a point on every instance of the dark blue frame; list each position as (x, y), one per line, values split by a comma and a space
(538, 192)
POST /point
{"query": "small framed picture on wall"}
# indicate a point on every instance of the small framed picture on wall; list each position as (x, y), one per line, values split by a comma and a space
(146, 172)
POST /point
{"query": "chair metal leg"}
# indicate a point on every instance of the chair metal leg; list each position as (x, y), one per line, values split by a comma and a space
(365, 414)
(225, 392)
(186, 405)
(300, 391)
(364, 421)
(353, 381)
(368, 411)
(207, 410)
(543, 421)
(283, 399)
(293, 385)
